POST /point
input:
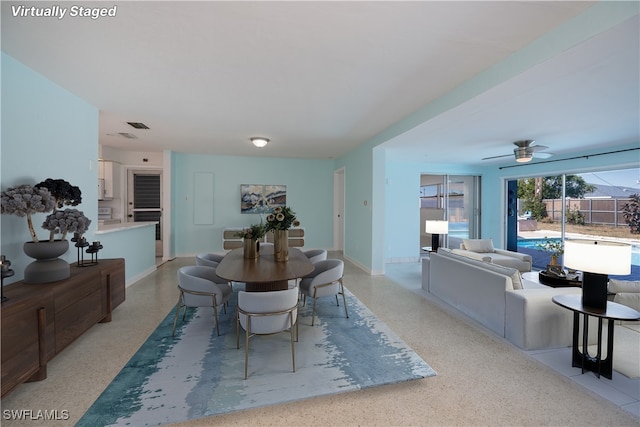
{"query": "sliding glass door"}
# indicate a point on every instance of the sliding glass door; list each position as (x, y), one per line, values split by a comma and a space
(455, 198)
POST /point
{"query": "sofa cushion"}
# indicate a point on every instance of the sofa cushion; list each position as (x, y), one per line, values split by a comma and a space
(506, 261)
(513, 273)
(624, 286)
(472, 255)
(478, 245)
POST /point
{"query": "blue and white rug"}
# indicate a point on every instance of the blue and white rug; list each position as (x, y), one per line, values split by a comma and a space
(198, 374)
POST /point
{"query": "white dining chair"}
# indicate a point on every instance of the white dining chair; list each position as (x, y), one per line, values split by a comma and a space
(267, 313)
(209, 259)
(316, 255)
(200, 286)
(325, 280)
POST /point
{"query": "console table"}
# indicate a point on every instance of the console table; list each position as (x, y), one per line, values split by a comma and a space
(40, 320)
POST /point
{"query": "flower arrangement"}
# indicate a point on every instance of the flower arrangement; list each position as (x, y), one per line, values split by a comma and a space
(47, 196)
(282, 218)
(254, 231)
(552, 246)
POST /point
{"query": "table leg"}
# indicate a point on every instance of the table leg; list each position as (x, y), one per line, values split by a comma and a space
(576, 356)
(585, 341)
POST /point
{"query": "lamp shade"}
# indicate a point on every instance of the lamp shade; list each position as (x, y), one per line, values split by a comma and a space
(436, 226)
(597, 256)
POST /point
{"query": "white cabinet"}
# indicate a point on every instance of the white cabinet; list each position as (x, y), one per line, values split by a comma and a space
(109, 173)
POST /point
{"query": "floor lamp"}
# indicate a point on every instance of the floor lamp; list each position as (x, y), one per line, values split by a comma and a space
(597, 259)
(436, 228)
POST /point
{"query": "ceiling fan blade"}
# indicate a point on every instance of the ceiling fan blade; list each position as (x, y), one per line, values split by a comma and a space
(543, 155)
(536, 148)
(497, 157)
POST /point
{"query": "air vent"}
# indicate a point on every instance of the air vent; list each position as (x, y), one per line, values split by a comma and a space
(127, 135)
(138, 125)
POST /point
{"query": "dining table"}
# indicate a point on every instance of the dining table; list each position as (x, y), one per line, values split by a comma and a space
(264, 273)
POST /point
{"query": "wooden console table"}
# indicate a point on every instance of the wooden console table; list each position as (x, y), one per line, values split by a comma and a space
(40, 320)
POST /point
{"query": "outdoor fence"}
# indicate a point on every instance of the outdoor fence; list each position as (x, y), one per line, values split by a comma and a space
(595, 211)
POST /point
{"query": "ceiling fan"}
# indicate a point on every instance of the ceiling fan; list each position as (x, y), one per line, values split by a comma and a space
(524, 151)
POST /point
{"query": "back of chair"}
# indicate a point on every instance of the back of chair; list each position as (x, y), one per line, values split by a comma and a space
(196, 280)
(269, 311)
(209, 260)
(326, 272)
(315, 255)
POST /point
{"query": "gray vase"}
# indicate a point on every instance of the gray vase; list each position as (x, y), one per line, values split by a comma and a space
(47, 267)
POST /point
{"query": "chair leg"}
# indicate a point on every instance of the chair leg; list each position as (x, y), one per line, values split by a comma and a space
(238, 330)
(246, 348)
(313, 312)
(344, 300)
(215, 315)
(175, 320)
(293, 349)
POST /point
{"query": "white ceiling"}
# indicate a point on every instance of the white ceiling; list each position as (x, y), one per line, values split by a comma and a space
(320, 78)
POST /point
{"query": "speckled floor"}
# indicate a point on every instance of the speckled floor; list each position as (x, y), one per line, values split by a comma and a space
(482, 379)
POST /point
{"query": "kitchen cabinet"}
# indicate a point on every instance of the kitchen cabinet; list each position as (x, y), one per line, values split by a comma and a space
(109, 174)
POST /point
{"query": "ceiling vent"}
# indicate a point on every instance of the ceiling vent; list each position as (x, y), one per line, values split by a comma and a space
(138, 125)
(127, 135)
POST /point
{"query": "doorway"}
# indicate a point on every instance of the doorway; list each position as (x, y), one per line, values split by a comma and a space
(338, 210)
(454, 198)
(144, 200)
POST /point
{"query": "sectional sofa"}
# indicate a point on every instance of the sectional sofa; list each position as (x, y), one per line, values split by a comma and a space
(498, 298)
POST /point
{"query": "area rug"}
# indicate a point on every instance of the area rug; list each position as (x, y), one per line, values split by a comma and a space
(198, 374)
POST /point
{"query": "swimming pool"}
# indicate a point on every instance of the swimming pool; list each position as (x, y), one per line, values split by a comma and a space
(532, 244)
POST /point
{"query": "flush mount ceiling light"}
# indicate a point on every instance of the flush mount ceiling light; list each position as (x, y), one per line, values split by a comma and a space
(259, 141)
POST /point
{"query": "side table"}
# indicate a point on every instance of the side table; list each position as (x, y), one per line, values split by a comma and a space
(613, 311)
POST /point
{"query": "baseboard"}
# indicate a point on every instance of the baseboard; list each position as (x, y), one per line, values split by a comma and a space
(137, 277)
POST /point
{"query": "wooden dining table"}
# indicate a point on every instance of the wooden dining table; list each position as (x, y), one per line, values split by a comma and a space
(264, 273)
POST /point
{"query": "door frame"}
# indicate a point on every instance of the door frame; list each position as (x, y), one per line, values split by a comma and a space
(338, 209)
(130, 172)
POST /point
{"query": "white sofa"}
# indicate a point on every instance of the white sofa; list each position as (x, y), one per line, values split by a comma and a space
(483, 249)
(498, 298)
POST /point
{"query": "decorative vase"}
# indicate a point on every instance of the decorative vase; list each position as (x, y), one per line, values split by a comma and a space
(47, 267)
(251, 248)
(281, 245)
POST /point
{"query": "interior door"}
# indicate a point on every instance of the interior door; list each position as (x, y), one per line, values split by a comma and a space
(144, 200)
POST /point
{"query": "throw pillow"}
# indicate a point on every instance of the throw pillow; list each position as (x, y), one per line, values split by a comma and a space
(624, 286)
(478, 245)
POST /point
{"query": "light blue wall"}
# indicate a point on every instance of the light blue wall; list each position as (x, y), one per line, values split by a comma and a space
(309, 193)
(47, 132)
(402, 209)
(359, 205)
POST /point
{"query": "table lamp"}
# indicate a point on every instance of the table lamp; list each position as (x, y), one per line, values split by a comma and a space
(436, 228)
(597, 259)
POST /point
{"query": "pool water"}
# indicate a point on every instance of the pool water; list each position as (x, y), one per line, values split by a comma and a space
(532, 244)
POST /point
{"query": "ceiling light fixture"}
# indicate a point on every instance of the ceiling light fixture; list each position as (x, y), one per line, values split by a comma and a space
(523, 154)
(259, 141)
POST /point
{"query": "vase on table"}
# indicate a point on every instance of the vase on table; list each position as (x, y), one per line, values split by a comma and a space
(251, 248)
(47, 267)
(281, 245)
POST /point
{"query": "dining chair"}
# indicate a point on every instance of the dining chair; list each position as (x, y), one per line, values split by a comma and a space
(315, 255)
(267, 313)
(209, 259)
(324, 280)
(200, 286)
